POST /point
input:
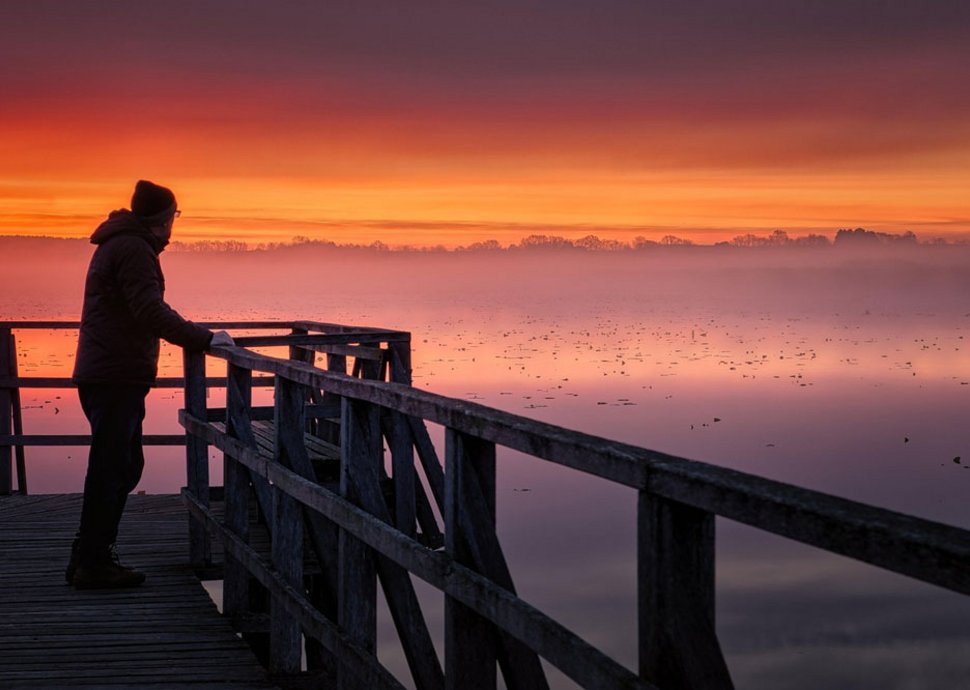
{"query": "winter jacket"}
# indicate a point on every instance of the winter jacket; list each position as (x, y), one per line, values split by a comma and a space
(124, 311)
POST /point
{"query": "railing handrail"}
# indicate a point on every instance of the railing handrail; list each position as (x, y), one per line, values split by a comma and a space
(246, 325)
(318, 336)
(560, 645)
(923, 549)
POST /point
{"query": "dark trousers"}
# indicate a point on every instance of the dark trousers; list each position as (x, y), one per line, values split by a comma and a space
(115, 462)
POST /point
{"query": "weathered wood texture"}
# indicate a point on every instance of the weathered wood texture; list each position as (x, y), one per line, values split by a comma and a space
(287, 554)
(6, 411)
(357, 660)
(579, 660)
(165, 634)
(161, 382)
(357, 572)
(471, 641)
(17, 413)
(922, 549)
(83, 440)
(679, 648)
(235, 589)
(196, 452)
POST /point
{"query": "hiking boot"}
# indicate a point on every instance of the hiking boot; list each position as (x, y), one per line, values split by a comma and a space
(72, 564)
(106, 573)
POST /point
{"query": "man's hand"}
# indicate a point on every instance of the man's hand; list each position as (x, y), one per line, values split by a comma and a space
(221, 338)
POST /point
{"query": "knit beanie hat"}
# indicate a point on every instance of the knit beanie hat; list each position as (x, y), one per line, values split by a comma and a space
(151, 199)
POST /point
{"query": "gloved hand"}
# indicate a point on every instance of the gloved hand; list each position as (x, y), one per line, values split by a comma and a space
(221, 338)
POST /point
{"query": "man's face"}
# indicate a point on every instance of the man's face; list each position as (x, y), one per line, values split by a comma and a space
(163, 231)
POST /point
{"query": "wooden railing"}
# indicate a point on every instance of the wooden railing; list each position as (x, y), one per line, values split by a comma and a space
(365, 525)
(13, 440)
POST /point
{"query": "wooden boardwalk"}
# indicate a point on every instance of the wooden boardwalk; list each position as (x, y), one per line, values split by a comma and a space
(165, 634)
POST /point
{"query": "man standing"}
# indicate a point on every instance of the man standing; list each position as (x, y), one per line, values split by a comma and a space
(123, 317)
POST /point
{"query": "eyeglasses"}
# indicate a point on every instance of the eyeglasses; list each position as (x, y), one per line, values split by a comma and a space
(177, 213)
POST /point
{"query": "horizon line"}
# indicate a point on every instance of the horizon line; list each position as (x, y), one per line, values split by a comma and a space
(778, 239)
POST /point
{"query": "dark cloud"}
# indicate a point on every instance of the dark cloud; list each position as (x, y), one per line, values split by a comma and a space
(473, 40)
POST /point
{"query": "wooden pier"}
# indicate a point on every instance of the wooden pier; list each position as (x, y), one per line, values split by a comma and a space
(165, 634)
(336, 492)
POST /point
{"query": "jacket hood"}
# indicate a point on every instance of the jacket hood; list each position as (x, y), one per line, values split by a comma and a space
(124, 222)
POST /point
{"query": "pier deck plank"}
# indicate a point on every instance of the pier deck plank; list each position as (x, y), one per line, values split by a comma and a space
(165, 634)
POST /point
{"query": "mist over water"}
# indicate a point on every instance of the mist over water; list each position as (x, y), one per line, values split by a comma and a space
(842, 371)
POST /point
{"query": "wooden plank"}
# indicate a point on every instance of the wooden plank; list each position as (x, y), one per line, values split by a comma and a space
(164, 634)
(347, 338)
(286, 642)
(18, 420)
(286, 639)
(235, 589)
(256, 412)
(82, 439)
(922, 549)
(402, 471)
(579, 660)
(429, 459)
(6, 401)
(471, 641)
(196, 452)
(60, 382)
(343, 328)
(288, 449)
(400, 360)
(7, 325)
(212, 325)
(474, 461)
(357, 575)
(434, 475)
(399, 591)
(929, 551)
(406, 486)
(355, 659)
(678, 645)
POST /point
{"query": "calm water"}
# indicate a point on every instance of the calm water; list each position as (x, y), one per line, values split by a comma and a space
(836, 372)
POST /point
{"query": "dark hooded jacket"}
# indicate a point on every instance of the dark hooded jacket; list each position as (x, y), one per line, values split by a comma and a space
(124, 312)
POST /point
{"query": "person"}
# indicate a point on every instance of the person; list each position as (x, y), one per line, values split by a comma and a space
(123, 316)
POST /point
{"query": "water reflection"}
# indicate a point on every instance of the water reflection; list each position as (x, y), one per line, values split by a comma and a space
(812, 376)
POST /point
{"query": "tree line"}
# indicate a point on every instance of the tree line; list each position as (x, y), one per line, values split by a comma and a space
(848, 237)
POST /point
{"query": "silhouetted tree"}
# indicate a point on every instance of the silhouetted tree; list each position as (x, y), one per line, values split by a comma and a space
(483, 246)
(544, 242)
(595, 244)
(674, 241)
(811, 240)
(640, 242)
(863, 237)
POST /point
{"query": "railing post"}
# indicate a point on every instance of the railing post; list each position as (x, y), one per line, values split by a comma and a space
(6, 412)
(196, 454)
(678, 645)
(471, 643)
(360, 455)
(287, 542)
(400, 360)
(235, 591)
(307, 356)
(327, 430)
(18, 420)
(399, 442)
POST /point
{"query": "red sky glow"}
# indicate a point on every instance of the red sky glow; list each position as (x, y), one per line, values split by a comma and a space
(442, 124)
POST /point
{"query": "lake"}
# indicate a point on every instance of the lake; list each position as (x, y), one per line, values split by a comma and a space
(839, 371)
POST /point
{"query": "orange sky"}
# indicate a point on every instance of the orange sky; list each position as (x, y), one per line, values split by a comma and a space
(363, 122)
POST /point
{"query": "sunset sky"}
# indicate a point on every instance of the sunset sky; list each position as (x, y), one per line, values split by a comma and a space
(439, 122)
